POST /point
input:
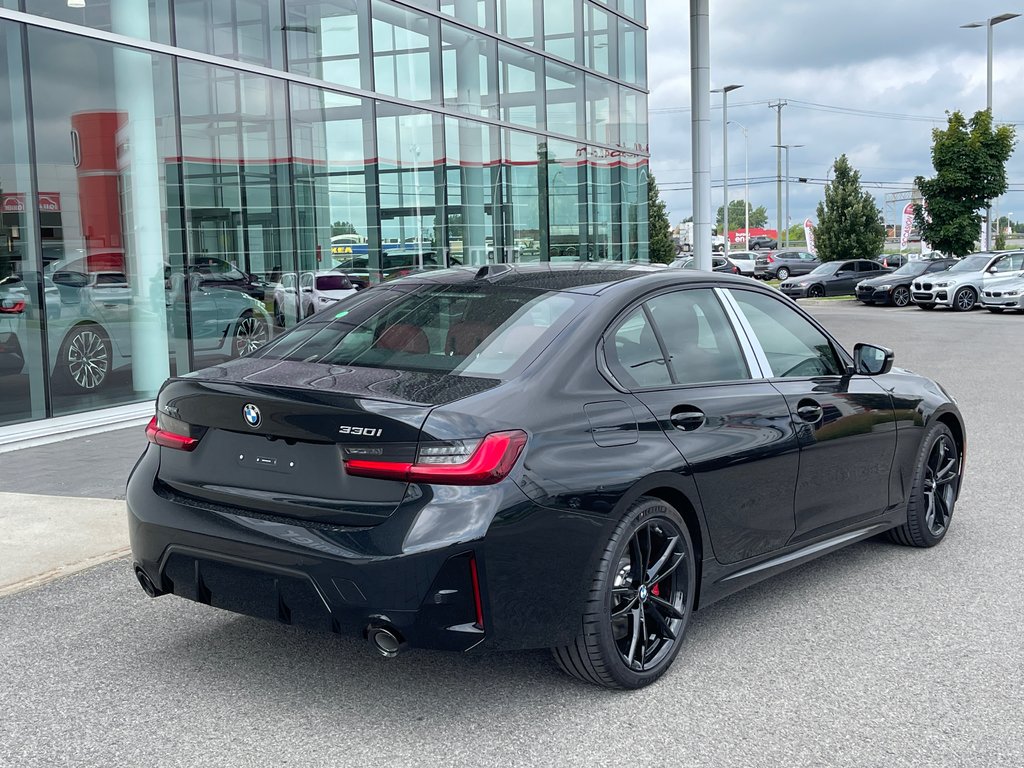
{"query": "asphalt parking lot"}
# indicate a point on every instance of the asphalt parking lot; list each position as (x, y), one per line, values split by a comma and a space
(875, 655)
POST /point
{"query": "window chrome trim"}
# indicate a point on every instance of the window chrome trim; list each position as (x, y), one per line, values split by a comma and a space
(150, 46)
(757, 360)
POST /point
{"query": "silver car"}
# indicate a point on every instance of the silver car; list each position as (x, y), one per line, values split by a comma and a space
(961, 286)
(998, 295)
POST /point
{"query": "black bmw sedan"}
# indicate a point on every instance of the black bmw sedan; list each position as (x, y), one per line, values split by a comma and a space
(894, 288)
(833, 278)
(574, 457)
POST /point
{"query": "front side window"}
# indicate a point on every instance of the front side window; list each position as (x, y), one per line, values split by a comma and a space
(1010, 263)
(701, 344)
(793, 346)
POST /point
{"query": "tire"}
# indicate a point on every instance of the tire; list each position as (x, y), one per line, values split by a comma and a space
(606, 649)
(279, 319)
(782, 273)
(926, 306)
(938, 468)
(965, 300)
(250, 334)
(310, 311)
(900, 296)
(84, 360)
(994, 310)
(815, 292)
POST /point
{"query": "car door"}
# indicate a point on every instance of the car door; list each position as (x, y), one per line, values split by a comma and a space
(679, 354)
(1007, 265)
(845, 422)
(845, 278)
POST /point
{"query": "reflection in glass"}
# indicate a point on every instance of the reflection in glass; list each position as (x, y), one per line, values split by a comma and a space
(635, 9)
(566, 198)
(524, 210)
(602, 110)
(474, 192)
(470, 73)
(103, 230)
(599, 40)
(522, 87)
(324, 40)
(565, 106)
(405, 61)
(560, 25)
(632, 42)
(632, 119)
(246, 30)
(520, 21)
(602, 197)
(634, 209)
(106, 14)
(478, 12)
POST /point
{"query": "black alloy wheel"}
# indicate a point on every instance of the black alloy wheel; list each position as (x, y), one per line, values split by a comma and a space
(783, 273)
(640, 601)
(84, 361)
(251, 333)
(934, 493)
(965, 300)
(815, 292)
(900, 296)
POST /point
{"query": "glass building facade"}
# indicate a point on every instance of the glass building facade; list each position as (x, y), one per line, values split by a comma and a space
(171, 171)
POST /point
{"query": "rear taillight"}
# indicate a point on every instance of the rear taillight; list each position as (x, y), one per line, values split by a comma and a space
(11, 306)
(167, 439)
(735, 270)
(483, 461)
(769, 258)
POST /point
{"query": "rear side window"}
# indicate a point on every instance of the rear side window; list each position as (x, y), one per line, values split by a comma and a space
(485, 331)
(332, 283)
(634, 355)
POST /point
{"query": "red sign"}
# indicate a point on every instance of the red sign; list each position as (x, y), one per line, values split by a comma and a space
(14, 202)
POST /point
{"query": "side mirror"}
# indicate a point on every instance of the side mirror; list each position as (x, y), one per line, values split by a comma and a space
(870, 360)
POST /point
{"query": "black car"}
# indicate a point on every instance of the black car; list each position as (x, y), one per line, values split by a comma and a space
(762, 242)
(718, 264)
(894, 287)
(573, 457)
(833, 278)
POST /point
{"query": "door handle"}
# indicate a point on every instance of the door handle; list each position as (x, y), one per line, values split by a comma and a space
(809, 411)
(687, 418)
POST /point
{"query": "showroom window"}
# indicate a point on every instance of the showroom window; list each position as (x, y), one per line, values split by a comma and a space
(108, 16)
(524, 228)
(520, 21)
(599, 41)
(405, 54)
(246, 30)
(326, 41)
(473, 155)
(566, 199)
(561, 21)
(565, 105)
(469, 71)
(632, 42)
(522, 87)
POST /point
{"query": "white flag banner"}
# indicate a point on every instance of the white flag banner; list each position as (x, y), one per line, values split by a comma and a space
(984, 235)
(809, 236)
(908, 223)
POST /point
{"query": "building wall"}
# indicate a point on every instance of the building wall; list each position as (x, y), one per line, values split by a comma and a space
(166, 175)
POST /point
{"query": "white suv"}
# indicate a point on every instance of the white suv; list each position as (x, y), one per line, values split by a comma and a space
(961, 285)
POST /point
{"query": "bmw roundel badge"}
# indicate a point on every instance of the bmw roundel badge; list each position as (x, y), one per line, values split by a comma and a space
(252, 416)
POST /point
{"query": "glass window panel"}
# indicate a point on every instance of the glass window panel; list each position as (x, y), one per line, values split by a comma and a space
(566, 199)
(236, 171)
(560, 27)
(120, 16)
(405, 61)
(411, 179)
(522, 91)
(478, 12)
(603, 240)
(635, 9)
(105, 213)
(564, 86)
(519, 21)
(700, 341)
(473, 172)
(332, 221)
(633, 186)
(524, 208)
(634, 355)
(599, 40)
(633, 119)
(324, 40)
(246, 30)
(22, 292)
(470, 72)
(632, 42)
(602, 110)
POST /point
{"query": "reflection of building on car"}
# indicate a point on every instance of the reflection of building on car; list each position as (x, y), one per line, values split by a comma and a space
(301, 296)
(89, 317)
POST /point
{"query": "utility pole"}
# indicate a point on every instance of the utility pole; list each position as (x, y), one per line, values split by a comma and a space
(777, 106)
(700, 132)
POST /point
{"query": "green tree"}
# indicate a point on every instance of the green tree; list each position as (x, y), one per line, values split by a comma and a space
(662, 249)
(758, 216)
(343, 228)
(849, 222)
(969, 157)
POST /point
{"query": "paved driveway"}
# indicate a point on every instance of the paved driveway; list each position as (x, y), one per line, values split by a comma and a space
(873, 656)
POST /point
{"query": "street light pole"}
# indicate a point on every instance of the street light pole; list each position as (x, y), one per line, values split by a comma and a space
(988, 24)
(724, 90)
(746, 186)
(787, 147)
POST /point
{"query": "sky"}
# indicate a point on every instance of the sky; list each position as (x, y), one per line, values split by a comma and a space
(832, 60)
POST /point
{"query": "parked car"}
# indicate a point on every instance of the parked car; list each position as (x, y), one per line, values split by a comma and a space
(894, 287)
(300, 296)
(718, 264)
(745, 260)
(762, 243)
(223, 274)
(892, 260)
(1006, 294)
(575, 457)
(833, 278)
(782, 264)
(394, 263)
(960, 286)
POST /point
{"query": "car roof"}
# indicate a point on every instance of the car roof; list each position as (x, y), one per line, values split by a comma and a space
(581, 277)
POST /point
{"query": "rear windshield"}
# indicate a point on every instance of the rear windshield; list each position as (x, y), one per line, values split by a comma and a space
(485, 331)
(332, 283)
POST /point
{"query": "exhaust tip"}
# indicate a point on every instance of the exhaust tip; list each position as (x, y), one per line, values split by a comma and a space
(146, 583)
(385, 641)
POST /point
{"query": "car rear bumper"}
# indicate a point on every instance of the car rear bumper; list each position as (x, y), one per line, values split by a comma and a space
(414, 573)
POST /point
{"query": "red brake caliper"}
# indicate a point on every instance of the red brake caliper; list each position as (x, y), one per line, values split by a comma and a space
(655, 592)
